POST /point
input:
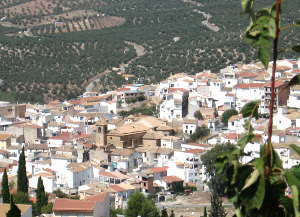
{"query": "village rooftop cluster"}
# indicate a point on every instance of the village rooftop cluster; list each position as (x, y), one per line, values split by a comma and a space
(83, 147)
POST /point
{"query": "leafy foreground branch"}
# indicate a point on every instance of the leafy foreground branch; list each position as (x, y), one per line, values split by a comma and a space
(258, 187)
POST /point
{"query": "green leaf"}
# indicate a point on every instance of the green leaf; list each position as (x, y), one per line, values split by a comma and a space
(264, 51)
(295, 200)
(247, 6)
(296, 171)
(246, 139)
(298, 22)
(251, 109)
(292, 179)
(253, 196)
(294, 81)
(296, 48)
(252, 179)
(295, 147)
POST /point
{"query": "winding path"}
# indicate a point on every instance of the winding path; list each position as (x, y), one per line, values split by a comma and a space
(140, 51)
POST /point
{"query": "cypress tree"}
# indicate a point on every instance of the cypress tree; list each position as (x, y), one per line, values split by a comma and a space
(5, 188)
(41, 196)
(14, 210)
(22, 177)
(172, 214)
(164, 213)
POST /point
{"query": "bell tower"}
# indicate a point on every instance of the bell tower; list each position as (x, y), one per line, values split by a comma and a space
(101, 132)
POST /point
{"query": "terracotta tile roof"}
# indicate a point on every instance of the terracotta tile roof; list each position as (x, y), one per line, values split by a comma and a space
(235, 118)
(4, 137)
(173, 138)
(277, 84)
(172, 179)
(115, 174)
(231, 136)
(247, 75)
(152, 135)
(164, 128)
(97, 197)
(122, 152)
(63, 156)
(128, 129)
(68, 205)
(248, 85)
(229, 94)
(190, 121)
(117, 188)
(177, 89)
(3, 152)
(159, 169)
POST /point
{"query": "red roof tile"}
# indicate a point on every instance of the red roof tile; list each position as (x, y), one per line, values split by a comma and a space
(247, 75)
(277, 84)
(231, 136)
(68, 205)
(97, 197)
(249, 85)
(177, 89)
(159, 169)
(117, 188)
(171, 179)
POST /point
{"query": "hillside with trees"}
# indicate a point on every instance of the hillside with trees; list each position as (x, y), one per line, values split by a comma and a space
(51, 49)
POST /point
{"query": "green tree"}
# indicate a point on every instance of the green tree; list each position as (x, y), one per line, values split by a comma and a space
(172, 213)
(227, 114)
(14, 210)
(198, 115)
(5, 188)
(204, 212)
(41, 196)
(217, 182)
(164, 213)
(22, 183)
(138, 204)
(21, 198)
(114, 212)
(47, 209)
(177, 187)
(200, 133)
(216, 207)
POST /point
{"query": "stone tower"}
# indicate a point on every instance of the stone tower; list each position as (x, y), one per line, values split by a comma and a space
(101, 132)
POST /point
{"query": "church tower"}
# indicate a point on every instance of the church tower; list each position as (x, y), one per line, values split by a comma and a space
(101, 132)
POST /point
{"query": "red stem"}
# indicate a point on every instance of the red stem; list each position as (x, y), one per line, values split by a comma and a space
(275, 53)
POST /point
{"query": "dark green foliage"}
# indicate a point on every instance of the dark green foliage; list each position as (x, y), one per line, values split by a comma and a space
(22, 183)
(216, 207)
(198, 115)
(5, 188)
(164, 213)
(143, 110)
(227, 114)
(47, 209)
(138, 204)
(250, 109)
(204, 212)
(172, 213)
(14, 210)
(114, 212)
(217, 182)
(177, 188)
(21, 198)
(41, 196)
(200, 133)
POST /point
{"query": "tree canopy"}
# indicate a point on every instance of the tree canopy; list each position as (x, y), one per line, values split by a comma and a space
(5, 188)
(138, 204)
(22, 183)
(227, 115)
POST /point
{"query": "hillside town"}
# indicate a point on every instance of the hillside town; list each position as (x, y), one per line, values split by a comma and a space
(85, 148)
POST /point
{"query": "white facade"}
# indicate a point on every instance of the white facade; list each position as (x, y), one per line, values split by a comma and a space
(48, 181)
(281, 121)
